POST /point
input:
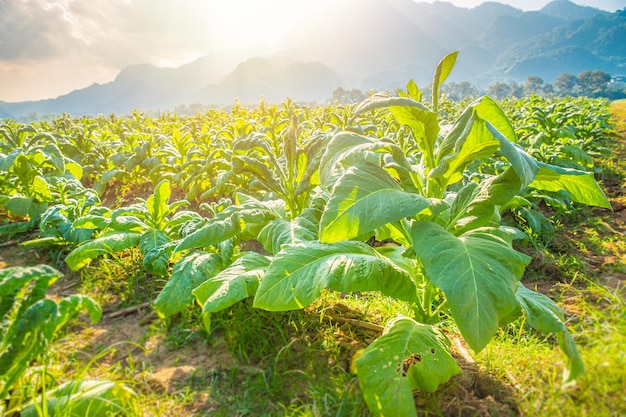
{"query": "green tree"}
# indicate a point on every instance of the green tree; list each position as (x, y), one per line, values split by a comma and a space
(499, 90)
(460, 91)
(343, 96)
(533, 85)
(565, 84)
(593, 83)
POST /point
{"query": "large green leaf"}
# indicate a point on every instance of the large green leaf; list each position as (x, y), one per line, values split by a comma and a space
(342, 144)
(581, 186)
(408, 356)
(14, 280)
(443, 69)
(475, 204)
(280, 232)
(471, 144)
(544, 315)
(187, 274)
(423, 124)
(26, 343)
(524, 165)
(411, 113)
(88, 251)
(478, 272)
(84, 398)
(157, 203)
(156, 250)
(228, 223)
(235, 283)
(366, 197)
(41, 189)
(299, 273)
(487, 109)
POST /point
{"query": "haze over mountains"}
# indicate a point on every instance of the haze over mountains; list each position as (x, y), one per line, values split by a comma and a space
(370, 44)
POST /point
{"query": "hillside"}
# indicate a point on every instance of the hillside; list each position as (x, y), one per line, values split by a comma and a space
(370, 44)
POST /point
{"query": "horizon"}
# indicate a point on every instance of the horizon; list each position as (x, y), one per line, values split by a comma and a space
(67, 46)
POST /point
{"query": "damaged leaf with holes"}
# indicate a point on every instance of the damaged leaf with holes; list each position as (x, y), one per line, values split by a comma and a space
(408, 356)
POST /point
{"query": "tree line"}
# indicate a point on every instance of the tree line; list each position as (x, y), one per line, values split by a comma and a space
(590, 83)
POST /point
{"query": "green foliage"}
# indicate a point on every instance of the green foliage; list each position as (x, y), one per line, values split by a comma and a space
(319, 190)
(82, 398)
(29, 321)
(408, 356)
(151, 225)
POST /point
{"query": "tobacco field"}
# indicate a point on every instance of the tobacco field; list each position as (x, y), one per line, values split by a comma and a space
(403, 256)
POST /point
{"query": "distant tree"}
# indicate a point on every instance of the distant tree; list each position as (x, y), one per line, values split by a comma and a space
(342, 96)
(593, 83)
(517, 90)
(499, 90)
(548, 90)
(533, 85)
(565, 84)
(460, 91)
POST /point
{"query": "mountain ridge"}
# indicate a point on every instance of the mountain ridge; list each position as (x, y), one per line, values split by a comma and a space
(369, 44)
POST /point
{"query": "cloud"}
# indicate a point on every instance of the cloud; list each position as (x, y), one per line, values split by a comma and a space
(50, 47)
(34, 30)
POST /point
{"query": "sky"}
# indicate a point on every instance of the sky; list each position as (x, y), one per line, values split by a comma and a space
(51, 47)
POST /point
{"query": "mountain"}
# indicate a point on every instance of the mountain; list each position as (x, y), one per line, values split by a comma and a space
(566, 10)
(594, 43)
(370, 44)
(259, 77)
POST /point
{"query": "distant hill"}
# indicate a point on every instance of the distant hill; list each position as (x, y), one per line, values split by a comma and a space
(366, 44)
(596, 42)
(259, 77)
(566, 10)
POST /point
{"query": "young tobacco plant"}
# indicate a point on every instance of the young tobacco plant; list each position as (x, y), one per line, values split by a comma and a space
(29, 322)
(451, 257)
(30, 163)
(152, 225)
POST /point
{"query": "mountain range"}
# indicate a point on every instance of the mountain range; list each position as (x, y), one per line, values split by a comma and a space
(369, 44)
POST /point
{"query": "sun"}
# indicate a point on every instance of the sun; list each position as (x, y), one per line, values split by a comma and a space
(248, 22)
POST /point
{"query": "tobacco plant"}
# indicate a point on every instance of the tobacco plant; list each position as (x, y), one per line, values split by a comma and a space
(152, 225)
(29, 321)
(451, 257)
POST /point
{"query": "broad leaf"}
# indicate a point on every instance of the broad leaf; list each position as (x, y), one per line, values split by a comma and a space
(472, 144)
(423, 124)
(408, 356)
(475, 204)
(280, 232)
(544, 315)
(156, 250)
(299, 273)
(84, 398)
(478, 273)
(187, 274)
(157, 203)
(228, 223)
(237, 282)
(525, 166)
(487, 109)
(41, 189)
(341, 144)
(581, 186)
(443, 69)
(107, 244)
(366, 197)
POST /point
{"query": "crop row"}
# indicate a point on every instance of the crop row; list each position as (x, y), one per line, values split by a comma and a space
(448, 188)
